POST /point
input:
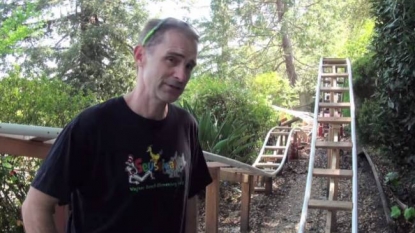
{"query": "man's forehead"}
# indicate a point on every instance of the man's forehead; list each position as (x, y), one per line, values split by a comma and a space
(174, 39)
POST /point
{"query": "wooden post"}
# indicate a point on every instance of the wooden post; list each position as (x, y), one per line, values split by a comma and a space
(245, 202)
(268, 185)
(212, 202)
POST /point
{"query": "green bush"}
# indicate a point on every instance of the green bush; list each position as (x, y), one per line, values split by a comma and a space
(222, 99)
(364, 77)
(38, 101)
(370, 122)
(394, 59)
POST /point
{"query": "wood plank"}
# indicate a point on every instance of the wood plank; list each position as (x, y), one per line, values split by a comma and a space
(267, 164)
(280, 156)
(275, 147)
(334, 120)
(234, 174)
(334, 61)
(237, 170)
(280, 133)
(19, 147)
(230, 176)
(329, 222)
(260, 189)
(333, 145)
(334, 89)
(330, 205)
(212, 202)
(334, 105)
(268, 185)
(335, 75)
(217, 164)
(245, 202)
(337, 66)
(339, 173)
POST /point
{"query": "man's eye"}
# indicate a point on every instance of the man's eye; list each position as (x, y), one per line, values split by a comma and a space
(189, 67)
(171, 59)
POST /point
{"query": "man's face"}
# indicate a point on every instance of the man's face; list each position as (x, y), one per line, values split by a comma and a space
(166, 67)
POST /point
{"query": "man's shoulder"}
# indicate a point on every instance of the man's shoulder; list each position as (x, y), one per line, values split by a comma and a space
(184, 114)
(96, 114)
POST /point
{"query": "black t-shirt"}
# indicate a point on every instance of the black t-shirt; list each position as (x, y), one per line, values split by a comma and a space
(121, 172)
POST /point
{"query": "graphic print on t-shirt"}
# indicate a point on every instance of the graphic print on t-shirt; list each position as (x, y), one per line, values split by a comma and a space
(145, 167)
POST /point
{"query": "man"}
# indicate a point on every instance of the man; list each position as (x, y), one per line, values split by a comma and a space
(134, 163)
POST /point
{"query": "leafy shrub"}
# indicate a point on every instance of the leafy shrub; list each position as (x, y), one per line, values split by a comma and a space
(221, 97)
(394, 59)
(369, 122)
(223, 100)
(39, 101)
(228, 138)
(364, 77)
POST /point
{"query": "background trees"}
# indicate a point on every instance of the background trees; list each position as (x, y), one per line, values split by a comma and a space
(58, 57)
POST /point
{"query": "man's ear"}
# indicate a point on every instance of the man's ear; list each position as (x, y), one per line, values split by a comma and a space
(139, 55)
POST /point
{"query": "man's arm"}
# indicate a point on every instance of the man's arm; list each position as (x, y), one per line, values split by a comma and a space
(60, 173)
(37, 212)
(191, 215)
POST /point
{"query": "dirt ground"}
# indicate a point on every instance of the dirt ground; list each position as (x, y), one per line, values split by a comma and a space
(281, 211)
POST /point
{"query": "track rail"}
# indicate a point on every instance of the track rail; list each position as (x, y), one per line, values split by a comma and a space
(253, 168)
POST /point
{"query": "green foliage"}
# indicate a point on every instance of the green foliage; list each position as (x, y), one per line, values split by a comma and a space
(357, 45)
(364, 77)
(222, 102)
(226, 138)
(223, 97)
(346, 98)
(37, 101)
(395, 212)
(394, 58)
(409, 214)
(15, 28)
(89, 46)
(370, 122)
(392, 178)
(275, 89)
(40, 101)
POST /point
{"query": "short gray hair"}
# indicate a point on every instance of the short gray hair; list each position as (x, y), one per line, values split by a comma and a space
(154, 30)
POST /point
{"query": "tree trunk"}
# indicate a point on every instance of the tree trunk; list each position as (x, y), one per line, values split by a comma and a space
(286, 43)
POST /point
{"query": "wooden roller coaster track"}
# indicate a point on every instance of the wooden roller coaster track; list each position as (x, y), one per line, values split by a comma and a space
(333, 84)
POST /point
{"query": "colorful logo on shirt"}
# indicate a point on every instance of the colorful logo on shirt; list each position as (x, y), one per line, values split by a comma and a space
(138, 170)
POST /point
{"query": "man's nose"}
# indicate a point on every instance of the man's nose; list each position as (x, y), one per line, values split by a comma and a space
(181, 73)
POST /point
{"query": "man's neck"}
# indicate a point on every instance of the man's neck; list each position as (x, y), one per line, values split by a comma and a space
(141, 104)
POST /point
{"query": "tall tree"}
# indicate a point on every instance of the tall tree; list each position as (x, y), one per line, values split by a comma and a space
(15, 29)
(89, 44)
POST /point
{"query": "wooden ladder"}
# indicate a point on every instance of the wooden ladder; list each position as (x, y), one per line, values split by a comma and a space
(334, 81)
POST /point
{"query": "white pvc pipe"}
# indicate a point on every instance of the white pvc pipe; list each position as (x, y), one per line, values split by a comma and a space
(354, 153)
(29, 130)
(312, 154)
